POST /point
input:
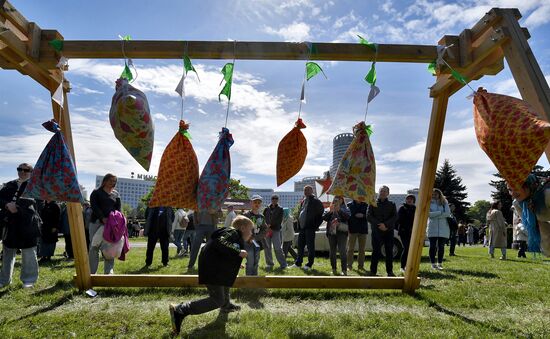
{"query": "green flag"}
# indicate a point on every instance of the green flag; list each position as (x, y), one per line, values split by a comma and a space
(369, 130)
(127, 38)
(371, 76)
(312, 69)
(186, 134)
(370, 45)
(189, 66)
(432, 67)
(227, 72)
(126, 73)
(56, 44)
(458, 77)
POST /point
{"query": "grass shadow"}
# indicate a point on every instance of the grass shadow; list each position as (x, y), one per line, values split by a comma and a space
(59, 285)
(215, 328)
(143, 270)
(436, 275)
(478, 274)
(431, 303)
(296, 333)
(59, 302)
(251, 296)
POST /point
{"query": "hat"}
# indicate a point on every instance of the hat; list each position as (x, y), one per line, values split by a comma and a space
(256, 197)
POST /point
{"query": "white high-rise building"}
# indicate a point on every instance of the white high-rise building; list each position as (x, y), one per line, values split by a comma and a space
(340, 144)
(130, 190)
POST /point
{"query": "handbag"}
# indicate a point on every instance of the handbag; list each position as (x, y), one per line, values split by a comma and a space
(342, 227)
(336, 225)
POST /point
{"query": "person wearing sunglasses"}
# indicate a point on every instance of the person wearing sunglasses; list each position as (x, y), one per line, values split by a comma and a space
(20, 229)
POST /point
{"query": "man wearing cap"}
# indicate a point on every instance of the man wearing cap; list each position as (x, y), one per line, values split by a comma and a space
(274, 217)
(259, 232)
(310, 218)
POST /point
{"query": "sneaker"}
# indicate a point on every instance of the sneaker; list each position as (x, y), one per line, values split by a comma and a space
(402, 270)
(439, 267)
(230, 308)
(294, 266)
(391, 274)
(307, 268)
(344, 273)
(434, 266)
(502, 258)
(334, 272)
(361, 268)
(28, 285)
(176, 318)
(269, 268)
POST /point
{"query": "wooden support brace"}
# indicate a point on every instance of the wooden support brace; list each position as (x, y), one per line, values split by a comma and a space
(427, 179)
(134, 280)
(33, 45)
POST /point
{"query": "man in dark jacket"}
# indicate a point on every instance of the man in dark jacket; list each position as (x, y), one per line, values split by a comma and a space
(310, 218)
(219, 264)
(22, 229)
(358, 229)
(274, 217)
(382, 219)
(158, 228)
(405, 219)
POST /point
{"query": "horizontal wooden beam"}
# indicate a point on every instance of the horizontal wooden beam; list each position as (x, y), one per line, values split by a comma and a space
(8, 13)
(246, 50)
(319, 282)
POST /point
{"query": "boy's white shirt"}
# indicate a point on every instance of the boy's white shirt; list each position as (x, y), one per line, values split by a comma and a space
(180, 214)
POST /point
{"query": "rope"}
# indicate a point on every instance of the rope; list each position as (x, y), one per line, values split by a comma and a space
(229, 99)
(374, 63)
(304, 81)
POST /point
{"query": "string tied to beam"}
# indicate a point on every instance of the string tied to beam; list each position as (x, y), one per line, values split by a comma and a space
(126, 73)
(227, 72)
(311, 70)
(187, 66)
(371, 76)
(440, 61)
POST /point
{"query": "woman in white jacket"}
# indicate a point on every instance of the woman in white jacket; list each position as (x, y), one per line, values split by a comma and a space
(287, 230)
(438, 229)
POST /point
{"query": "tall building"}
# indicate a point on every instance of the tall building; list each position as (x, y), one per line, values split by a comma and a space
(299, 185)
(340, 144)
(130, 190)
(286, 199)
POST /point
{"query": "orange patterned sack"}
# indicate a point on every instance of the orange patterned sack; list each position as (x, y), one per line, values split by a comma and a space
(510, 132)
(178, 173)
(356, 173)
(291, 153)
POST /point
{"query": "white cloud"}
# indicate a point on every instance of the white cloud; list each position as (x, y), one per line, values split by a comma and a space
(297, 31)
(86, 90)
(164, 117)
(40, 103)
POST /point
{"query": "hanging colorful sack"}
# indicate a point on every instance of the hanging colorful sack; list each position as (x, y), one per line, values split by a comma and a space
(510, 132)
(356, 174)
(178, 174)
(54, 175)
(131, 121)
(291, 153)
(214, 180)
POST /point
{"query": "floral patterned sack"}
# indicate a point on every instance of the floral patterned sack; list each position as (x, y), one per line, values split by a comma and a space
(131, 122)
(356, 174)
(213, 185)
(291, 153)
(54, 175)
(178, 175)
(510, 133)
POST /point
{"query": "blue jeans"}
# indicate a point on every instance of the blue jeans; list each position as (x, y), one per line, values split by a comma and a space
(93, 254)
(252, 259)
(29, 265)
(189, 234)
(201, 232)
(178, 236)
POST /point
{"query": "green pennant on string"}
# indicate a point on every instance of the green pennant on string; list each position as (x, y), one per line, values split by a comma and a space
(126, 73)
(370, 45)
(458, 77)
(312, 69)
(369, 130)
(371, 76)
(56, 44)
(127, 38)
(188, 65)
(186, 134)
(227, 72)
(432, 67)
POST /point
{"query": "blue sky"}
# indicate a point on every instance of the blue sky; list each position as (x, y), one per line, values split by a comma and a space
(265, 93)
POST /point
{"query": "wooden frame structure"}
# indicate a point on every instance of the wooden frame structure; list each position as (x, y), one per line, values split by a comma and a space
(476, 52)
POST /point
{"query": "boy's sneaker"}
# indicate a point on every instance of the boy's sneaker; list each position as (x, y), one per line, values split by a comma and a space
(434, 266)
(230, 308)
(295, 266)
(176, 318)
(439, 267)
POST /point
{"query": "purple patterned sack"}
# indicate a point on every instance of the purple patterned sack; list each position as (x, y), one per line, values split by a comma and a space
(54, 175)
(214, 180)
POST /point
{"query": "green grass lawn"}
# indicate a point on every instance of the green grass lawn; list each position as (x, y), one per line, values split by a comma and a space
(474, 296)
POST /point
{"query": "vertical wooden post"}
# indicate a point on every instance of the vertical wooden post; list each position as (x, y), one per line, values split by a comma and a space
(431, 156)
(74, 210)
(525, 69)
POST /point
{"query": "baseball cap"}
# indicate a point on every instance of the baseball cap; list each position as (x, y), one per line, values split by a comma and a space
(256, 197)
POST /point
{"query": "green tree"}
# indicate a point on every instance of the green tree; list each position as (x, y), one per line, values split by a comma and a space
(501, 191)
(478, 211)
(451, 185)
(237, 190)
(127, 210)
